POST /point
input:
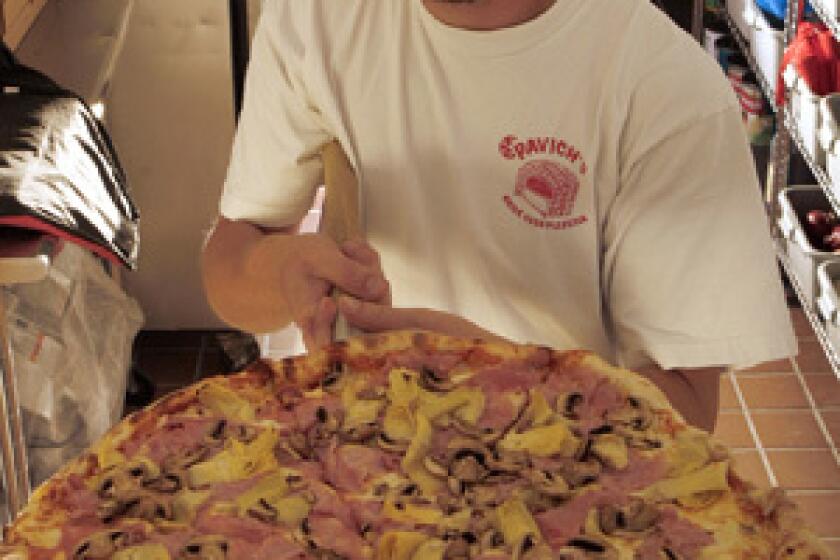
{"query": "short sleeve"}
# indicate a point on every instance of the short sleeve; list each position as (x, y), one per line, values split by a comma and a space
(690, 274)
(275, 164)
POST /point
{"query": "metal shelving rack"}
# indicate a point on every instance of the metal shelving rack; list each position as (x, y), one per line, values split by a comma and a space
(745, 48)
(787, 132)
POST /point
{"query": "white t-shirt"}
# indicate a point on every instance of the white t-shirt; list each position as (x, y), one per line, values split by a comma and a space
(580, 180)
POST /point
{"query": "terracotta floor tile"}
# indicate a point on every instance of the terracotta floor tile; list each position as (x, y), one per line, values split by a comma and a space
(772, 391)
(811, 358)
(728, 400)
(832, 422)
(825, 389)
(820, 511)
(788, 428)
(732, 430)
(801, 325)
(770, 367)
(748, 465)
(805, 469)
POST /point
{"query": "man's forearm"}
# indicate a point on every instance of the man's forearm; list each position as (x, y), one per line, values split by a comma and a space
(693, 392)
(237, 294)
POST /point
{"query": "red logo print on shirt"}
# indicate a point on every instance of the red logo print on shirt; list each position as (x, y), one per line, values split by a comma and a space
(546, 189)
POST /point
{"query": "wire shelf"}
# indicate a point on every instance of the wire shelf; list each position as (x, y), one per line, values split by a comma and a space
(816, 323)
(831, 23)
(819, 173)
(744, 45)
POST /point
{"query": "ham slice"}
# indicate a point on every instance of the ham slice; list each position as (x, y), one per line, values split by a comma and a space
(330, 533)
(349, 467)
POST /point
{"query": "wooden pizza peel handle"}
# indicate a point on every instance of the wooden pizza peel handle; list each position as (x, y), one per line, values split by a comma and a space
(341, 218)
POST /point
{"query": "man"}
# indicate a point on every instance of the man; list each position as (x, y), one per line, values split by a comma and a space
(572, 173)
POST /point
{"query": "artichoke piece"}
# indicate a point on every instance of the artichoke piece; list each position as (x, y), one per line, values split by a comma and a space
(544, 441)
(399, 545)
(708, 479)
(413, 461)
(225, 402)
(611, 450)
(517, 525)
(270, 490)
(236, 461)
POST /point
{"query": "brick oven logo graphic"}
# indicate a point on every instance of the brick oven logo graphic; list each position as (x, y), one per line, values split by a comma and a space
(546, 190)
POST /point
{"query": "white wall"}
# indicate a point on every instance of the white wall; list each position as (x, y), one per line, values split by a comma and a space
(170, 114)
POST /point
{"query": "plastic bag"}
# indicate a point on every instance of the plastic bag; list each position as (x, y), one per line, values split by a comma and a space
(71, 338)
(59, 172)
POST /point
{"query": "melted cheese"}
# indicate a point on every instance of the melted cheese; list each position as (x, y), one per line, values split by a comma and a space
(543, 441)
(237, 461)
(142, 552)
(708, 479)
(186, 503)
(538, 411)
(689, 452)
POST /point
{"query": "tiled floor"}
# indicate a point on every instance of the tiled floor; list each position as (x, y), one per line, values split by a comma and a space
(779, 434)
(782, 422)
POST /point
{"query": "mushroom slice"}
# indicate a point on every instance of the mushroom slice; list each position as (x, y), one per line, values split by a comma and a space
(568, 404)
(101, 545)
(548, 484)
(594, 547)
(636, 517)
(204, 548)
(167, 483)
(263, 511)
(435, 468)
(432, 381)
(468, 465)
(636, 414)
(581, 473)
(484, 435)
(186, 458)
(150, 508)
(388, 444)
(360, 433)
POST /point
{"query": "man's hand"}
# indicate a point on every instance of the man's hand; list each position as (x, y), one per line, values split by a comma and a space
(378, 317)
(262, 280)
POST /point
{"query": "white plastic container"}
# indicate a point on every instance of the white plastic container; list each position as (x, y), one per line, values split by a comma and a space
(736, 9)
(829, 137)
(806, 112)
(831, 8)
(828, 299)
(768, 45)
(795, 203)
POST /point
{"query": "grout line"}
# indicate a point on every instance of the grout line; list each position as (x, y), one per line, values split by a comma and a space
(743, 373)
(771, 476)
(806, 492)
(791, 449)
(817, 416)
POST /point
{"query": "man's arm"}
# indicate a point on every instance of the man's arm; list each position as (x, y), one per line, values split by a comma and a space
(261, 280)
(695, 393)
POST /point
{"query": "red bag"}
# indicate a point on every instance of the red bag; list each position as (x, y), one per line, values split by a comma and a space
(815, 54)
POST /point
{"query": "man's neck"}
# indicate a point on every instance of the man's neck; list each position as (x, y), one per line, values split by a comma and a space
(486, 15)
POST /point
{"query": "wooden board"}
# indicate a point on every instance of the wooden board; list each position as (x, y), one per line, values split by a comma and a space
(16, 17)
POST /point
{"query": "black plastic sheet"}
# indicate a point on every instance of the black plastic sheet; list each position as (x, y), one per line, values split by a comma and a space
(59, 168)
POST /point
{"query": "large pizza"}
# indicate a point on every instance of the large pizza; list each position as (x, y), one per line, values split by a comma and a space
(410, 446)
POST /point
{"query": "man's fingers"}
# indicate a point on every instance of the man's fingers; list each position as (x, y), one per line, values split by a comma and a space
(359, 250)
(327, 262)
(317, 327)
(374, 317)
